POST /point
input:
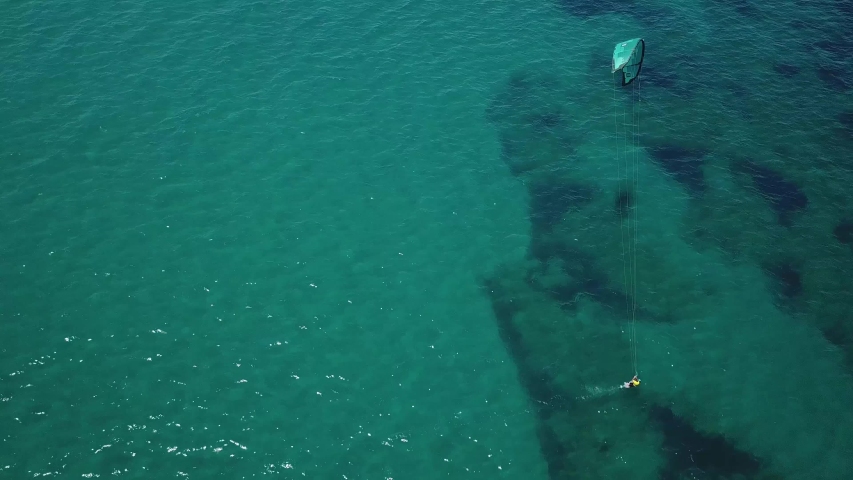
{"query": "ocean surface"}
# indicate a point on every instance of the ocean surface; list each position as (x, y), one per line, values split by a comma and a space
(260, 238)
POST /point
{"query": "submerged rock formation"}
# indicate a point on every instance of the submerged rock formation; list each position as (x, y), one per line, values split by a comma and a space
(715, 347)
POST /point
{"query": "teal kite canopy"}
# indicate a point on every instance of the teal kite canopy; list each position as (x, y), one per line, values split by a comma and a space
(628, 59)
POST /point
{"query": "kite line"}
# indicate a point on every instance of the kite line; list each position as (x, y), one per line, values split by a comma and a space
(627, 63)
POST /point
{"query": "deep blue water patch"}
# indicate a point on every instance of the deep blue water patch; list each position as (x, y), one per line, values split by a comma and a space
(786, 70)
(682, 163)
(692, 454)
(681, 75)
(548, 121)
(786, 277)
(510, 148)
(623, 203)
(550, 200)
(834, 53)
(843, 232)
(784, 196)
(661, 78)
(836, 47)
(582, 275)
(554, 452)
(839, 334)
(578, 267)
(833, 49)
(833, 77)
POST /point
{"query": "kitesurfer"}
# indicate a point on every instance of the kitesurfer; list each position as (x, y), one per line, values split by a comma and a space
(635, 382)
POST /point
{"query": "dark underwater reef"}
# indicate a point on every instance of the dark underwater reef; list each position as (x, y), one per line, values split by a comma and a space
(762, 208)
(796, 159)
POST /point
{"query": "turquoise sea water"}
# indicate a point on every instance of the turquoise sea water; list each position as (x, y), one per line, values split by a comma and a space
(251, 238)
